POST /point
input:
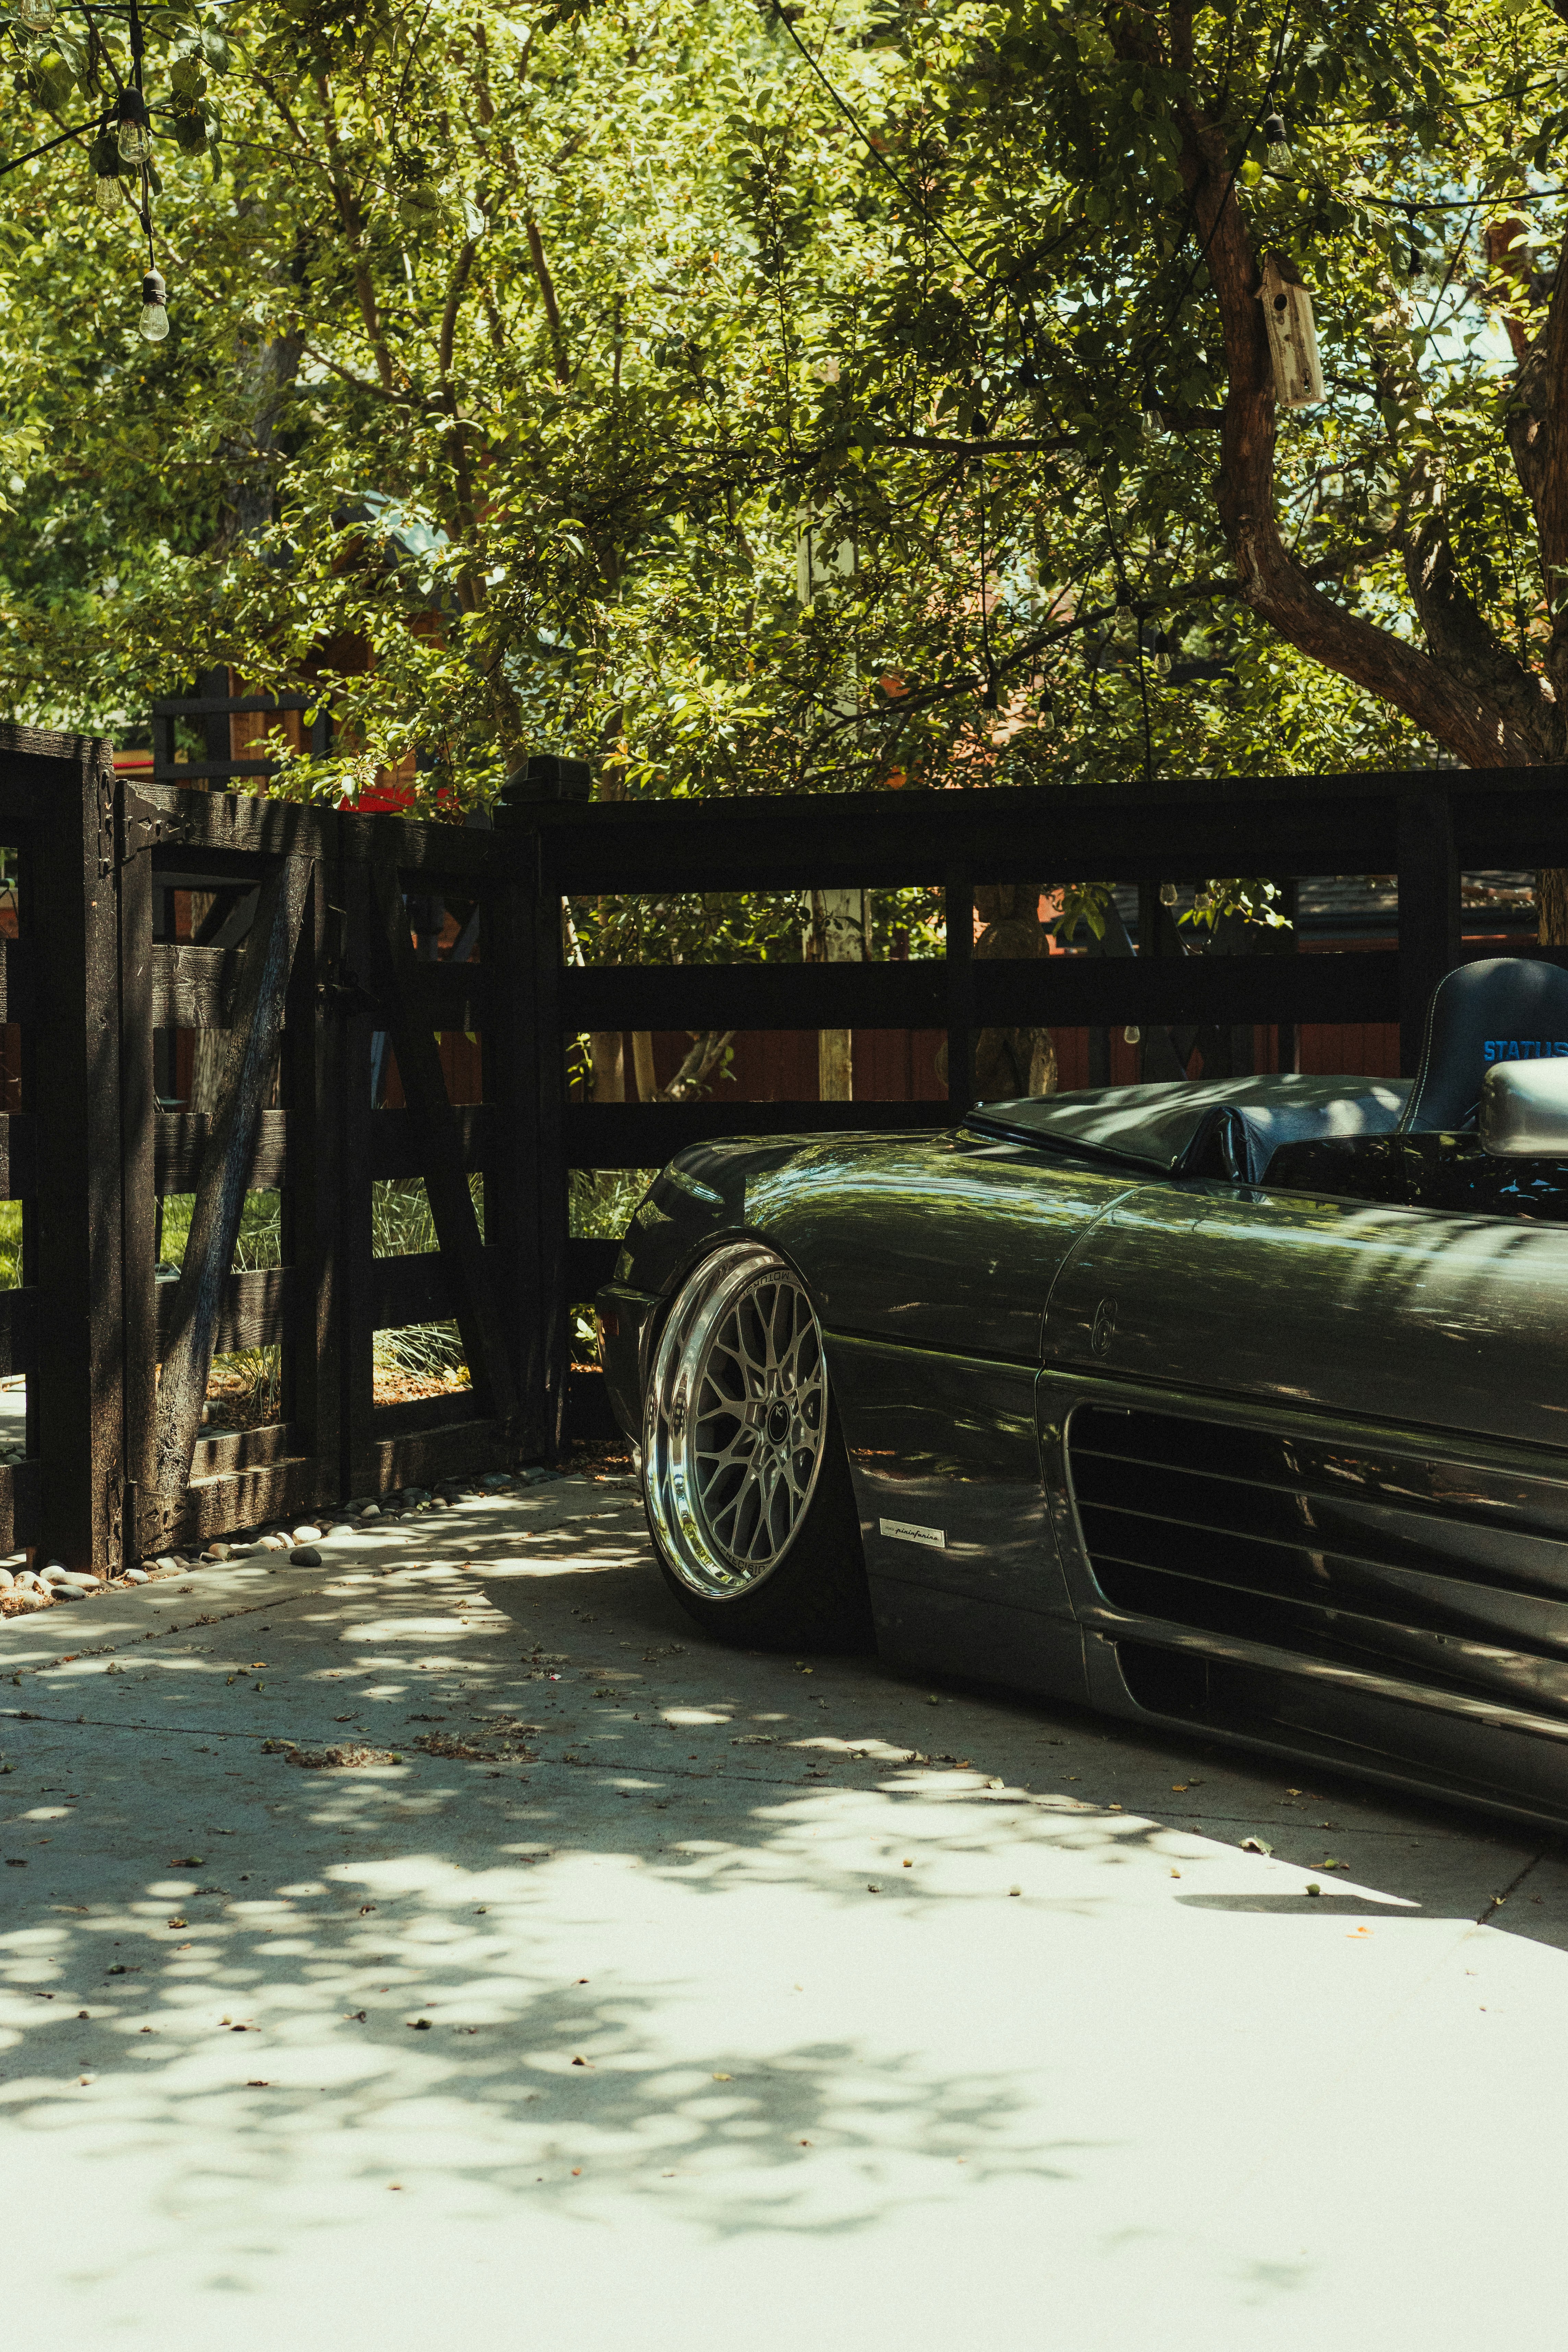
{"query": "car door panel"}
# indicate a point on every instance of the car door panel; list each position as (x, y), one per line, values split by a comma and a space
(1404, 1315)
(945, 1459)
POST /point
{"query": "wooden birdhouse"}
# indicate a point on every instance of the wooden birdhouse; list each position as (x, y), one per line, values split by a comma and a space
(1292, 338)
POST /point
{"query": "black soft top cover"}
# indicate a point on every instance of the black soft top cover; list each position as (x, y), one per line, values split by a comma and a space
(1197, 1126)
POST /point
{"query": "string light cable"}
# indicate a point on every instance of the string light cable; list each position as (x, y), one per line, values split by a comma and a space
(121, 136)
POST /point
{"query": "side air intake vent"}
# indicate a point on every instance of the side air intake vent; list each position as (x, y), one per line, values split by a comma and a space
(1440, 1573)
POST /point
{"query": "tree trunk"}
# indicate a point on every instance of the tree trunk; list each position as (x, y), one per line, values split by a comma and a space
(642, 1066)
(607, 1049)
(837, 935)
(1012, 1061)
(1551, 907)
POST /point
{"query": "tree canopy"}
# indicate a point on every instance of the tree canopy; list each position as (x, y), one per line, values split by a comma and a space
(799, 396)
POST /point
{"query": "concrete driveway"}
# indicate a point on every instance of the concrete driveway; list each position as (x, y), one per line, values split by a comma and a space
(723, 1999)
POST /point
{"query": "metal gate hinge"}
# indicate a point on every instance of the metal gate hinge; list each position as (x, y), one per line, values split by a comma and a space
(142, 824)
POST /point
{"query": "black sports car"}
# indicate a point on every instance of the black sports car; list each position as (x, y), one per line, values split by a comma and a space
(1242, 1405)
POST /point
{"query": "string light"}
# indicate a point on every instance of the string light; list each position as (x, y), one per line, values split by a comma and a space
(135, 135)
(38, 16)
(1167, 894)
(104, 160)
(1277, 152)
(154, 317)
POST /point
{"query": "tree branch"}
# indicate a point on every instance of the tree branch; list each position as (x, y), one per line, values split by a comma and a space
(1447, 705)
(547, 288)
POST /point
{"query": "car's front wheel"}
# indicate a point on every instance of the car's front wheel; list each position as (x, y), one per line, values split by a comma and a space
(744, 1473)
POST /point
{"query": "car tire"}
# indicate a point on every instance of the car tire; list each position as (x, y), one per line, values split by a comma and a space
(745, 1479)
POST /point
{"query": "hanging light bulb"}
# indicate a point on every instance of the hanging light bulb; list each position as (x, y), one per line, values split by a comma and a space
(103, 160)
(135, 135)
(38, 16)
(1167, 894)
(1276, 144)
(1130, 1036)
(154, 317)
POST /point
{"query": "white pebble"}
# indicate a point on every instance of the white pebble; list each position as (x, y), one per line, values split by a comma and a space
(135, 1576)
(307, 1535)
(273, 1543)
(370, 1511)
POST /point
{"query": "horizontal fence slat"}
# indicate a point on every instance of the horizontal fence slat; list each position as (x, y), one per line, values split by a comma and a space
(177, 773)
(21, 1505)
(1067, 990)
(226, 1499)
(590, 1263)
(645, 1135)
(1073, 992)
(194, 988)
(225, 705)
(453, 996)
(395, 1145)
(254, 1311)
(755, 995)
(456, 1449)
(245, 1449)
(419, 1288)
(179, 1137)
(18, 1155)
(415, 1416)
(18, 1331)
(17, 970)
(1169, 830)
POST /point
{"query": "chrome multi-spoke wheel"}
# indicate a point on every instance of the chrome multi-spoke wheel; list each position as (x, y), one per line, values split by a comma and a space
(734, 1423)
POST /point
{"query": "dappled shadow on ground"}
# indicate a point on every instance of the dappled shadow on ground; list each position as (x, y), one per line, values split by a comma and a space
(780, 1944)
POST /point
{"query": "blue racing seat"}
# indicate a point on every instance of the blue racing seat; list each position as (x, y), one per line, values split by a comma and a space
(1508, 1009)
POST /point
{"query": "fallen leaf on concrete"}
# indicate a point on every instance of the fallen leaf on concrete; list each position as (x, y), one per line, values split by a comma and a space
(345, 1758)
(1255, 1845)
(444, 1743)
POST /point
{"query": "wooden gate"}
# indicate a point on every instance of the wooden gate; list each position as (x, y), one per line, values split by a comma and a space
(303, 955)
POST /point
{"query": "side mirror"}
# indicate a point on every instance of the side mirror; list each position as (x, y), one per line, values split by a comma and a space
(1525, 1110)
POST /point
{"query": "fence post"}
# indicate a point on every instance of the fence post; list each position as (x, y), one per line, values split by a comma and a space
(80, 1360)
(958, 897)
(139, 1200)
(530, 1053)
(1428, 912)
(550, 1157)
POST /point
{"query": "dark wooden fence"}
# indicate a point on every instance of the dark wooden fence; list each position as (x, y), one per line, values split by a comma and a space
(1428, 827)
(304, 955)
